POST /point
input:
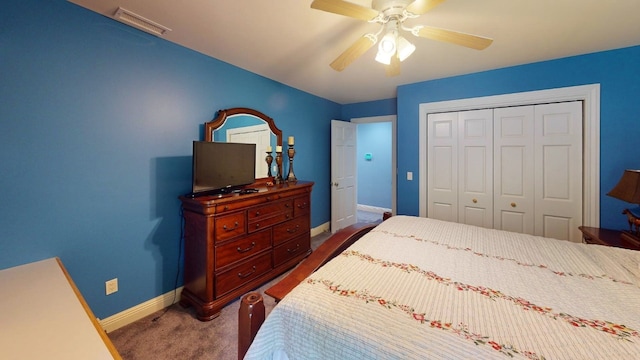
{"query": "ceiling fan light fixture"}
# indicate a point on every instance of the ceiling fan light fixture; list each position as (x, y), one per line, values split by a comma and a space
(405, 48)
(387, 47)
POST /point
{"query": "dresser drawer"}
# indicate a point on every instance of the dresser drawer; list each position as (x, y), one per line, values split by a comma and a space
(291, 249)
(301, 206)
(242, 248)
(229, 226)
(290, 229)
(243, 273)
(266, 222)
(265, 211)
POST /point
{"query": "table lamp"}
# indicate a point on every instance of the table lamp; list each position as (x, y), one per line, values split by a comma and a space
(628, 189)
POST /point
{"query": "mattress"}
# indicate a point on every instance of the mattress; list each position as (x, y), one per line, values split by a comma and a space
(418, 288)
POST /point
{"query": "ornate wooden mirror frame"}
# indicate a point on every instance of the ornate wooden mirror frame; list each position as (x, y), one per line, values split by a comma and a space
(227, 115)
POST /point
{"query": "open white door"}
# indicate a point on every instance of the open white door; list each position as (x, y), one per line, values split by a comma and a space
(343, 174)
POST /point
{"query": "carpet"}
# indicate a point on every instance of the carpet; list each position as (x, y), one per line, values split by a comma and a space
(178, 334)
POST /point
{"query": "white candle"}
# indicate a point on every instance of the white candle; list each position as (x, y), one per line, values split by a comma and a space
(269, 149)
(290, 140)
(278, 148)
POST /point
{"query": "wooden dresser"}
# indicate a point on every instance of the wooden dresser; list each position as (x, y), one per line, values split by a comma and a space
(233, 243)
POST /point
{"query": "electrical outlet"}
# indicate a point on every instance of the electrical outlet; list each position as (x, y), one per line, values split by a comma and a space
(111, 286)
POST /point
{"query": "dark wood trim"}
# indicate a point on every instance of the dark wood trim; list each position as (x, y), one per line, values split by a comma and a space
(252, 313)
(329, 249)
(222, 116)
(609, 237)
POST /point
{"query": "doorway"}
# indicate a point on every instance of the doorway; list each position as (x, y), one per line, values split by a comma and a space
(376, 167)
(344, 176)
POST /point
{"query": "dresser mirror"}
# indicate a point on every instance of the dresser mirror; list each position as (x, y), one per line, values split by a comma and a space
(244, 125)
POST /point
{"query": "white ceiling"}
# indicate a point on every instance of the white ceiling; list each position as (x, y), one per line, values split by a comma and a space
(287, 41)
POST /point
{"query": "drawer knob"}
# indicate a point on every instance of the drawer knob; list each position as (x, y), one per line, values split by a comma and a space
(247, 274)
(257, 213)
(240, 250)
(513, 205)
(302, 206)
(291, 231)
(235, 226)
(475, 201)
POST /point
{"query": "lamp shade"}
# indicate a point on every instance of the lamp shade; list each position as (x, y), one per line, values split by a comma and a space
(628, 188)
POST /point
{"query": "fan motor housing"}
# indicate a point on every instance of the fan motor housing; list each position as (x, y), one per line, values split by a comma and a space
(390, 7)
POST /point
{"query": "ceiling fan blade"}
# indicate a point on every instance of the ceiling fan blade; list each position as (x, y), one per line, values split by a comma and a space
(420, 7)
(455, 37)
(345, 8)
(393, 69)
(353, 52)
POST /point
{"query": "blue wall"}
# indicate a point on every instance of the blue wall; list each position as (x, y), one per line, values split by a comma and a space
(618, 73)
(374, 176)
(97, 121)
(370, 108)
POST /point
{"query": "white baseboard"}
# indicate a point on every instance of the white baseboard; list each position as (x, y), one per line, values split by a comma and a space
(126, 317)
(320, 229)
(373, 209)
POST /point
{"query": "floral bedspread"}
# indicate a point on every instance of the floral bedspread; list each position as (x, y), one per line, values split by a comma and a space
(417, 288)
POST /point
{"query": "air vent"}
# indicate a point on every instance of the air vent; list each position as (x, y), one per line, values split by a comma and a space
(138, 22)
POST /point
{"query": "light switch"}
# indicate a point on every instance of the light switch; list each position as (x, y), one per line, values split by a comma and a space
(409, 175)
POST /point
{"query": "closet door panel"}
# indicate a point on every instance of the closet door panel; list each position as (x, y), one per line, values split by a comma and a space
(475, 161)
(513, 169)
(558, 178)
(442, 166)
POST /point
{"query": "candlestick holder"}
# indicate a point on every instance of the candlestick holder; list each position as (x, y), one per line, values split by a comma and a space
(291, 152)
(279, 179)
(269, 160)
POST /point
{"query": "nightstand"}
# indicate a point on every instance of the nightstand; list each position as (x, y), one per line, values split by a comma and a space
(608, 237)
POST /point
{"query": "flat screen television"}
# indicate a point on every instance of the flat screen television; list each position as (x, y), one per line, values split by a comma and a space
(221, 167)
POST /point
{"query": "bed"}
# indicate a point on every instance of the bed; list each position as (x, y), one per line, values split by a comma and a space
(418, 288)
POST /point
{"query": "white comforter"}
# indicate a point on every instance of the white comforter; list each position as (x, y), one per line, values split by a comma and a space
(417, 288)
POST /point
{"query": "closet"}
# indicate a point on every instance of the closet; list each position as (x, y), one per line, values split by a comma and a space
(511, 168)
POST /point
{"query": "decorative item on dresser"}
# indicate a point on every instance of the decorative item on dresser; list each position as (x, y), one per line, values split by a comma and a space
(235, 242)
(291, 153)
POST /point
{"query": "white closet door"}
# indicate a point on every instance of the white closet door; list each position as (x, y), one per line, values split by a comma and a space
(514, 169)
(558, 177)
(475, 164)
(442, 166)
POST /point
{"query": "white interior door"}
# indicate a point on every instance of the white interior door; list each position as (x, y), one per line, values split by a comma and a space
(514, 169)
(442, 173)
(475, 164)
(343, 174)
(558, 176)
(257, 134)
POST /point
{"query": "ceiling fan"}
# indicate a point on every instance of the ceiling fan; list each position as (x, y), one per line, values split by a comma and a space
(391, 14)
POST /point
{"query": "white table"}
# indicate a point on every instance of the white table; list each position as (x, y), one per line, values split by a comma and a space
(44, 316)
